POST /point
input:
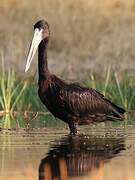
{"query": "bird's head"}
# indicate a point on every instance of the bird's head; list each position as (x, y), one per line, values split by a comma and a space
(41, 33)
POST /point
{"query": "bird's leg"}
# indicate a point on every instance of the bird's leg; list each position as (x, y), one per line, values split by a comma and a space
(73, 128)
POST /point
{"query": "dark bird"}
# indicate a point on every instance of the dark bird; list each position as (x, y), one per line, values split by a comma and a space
(70, 102)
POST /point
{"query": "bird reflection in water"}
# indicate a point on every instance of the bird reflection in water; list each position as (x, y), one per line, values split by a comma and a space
(79, 156)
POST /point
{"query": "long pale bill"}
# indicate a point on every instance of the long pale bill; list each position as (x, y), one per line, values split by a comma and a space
(37, 38)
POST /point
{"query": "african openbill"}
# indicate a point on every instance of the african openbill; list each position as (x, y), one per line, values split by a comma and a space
(70, 102)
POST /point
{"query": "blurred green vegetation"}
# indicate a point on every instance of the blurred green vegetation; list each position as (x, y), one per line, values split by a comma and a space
(86, 36)
(117, 88)
(20, 105)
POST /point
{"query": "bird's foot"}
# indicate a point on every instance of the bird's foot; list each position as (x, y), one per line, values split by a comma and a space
(73, 133)
(73, 128)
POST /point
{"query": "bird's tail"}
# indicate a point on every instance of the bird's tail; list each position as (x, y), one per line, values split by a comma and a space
(117, 111)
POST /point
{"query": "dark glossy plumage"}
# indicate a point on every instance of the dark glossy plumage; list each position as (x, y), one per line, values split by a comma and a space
(71, 103)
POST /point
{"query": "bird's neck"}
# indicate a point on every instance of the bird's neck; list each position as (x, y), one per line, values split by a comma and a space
(42, 60)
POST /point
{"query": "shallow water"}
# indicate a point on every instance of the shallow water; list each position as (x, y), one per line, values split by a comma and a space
(49, 153)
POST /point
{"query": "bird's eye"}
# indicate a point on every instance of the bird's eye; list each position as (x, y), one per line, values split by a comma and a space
(46, 27)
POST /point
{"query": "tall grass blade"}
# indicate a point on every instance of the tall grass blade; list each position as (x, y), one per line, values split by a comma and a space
(19, 95)
(107, 80)
(119, 88)
(93, 81)
(131, 100)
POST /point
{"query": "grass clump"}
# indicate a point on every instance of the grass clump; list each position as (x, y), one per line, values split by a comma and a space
(120, 90)
(9, 89)
(21, 96)
(125, 92)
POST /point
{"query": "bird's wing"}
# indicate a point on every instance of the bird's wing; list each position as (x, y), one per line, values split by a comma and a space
(81, 101)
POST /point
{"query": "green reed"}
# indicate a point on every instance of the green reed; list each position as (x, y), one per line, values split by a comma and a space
(9, 89)
(18, 95)
(120, 90)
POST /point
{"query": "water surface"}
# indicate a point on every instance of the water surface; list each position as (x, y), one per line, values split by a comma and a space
(49, 153)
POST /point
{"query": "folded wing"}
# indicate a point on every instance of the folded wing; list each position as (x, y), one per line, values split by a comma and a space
(82, 101)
